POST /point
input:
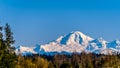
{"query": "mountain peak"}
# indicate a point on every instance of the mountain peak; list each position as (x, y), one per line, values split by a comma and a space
(71, 42)
(101, 39)
(75, 37)
(100, 42)
(77, 32)
(116, 41)
(114, 44)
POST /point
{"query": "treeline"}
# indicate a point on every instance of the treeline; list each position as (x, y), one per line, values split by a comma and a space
(8, 59)
(75, 60)
(62, 61)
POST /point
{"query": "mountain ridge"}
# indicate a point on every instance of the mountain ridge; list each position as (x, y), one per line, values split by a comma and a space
(75, 41)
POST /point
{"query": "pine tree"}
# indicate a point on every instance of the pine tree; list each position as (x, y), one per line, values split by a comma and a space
(9, 40)
(1, 39)
(1, 35)
(7, 60)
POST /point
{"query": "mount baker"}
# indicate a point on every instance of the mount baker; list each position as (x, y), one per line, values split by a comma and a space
(73, 42)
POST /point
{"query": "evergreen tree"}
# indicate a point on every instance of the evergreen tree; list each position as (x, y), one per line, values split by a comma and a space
(1, 35)
(1, 39)
(9, 40)
(7, 60)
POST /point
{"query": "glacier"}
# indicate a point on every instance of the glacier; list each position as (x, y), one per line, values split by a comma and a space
(75, 41)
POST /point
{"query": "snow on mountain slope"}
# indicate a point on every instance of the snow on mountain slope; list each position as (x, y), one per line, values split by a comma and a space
(97, 45)
(100, 43)
(72, 42)
(114, 44)
(110, 51)
(25, 50)
(74, 38)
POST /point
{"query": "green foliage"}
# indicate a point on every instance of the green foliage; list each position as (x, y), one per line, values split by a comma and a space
(9, 38)
(9, 35)
(8, 59)
(88, 61)
(1, 35)
(51, 65)
(66, 65)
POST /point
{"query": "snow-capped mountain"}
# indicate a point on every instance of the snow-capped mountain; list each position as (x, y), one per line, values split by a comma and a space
(25, 50)
(114, 44)
(74, 38)
(72, 42)
(97, 45)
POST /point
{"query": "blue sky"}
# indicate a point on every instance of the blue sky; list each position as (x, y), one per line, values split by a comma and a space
(41, 21)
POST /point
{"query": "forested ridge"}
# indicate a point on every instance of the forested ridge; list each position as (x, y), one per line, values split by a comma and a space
(8, 58)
